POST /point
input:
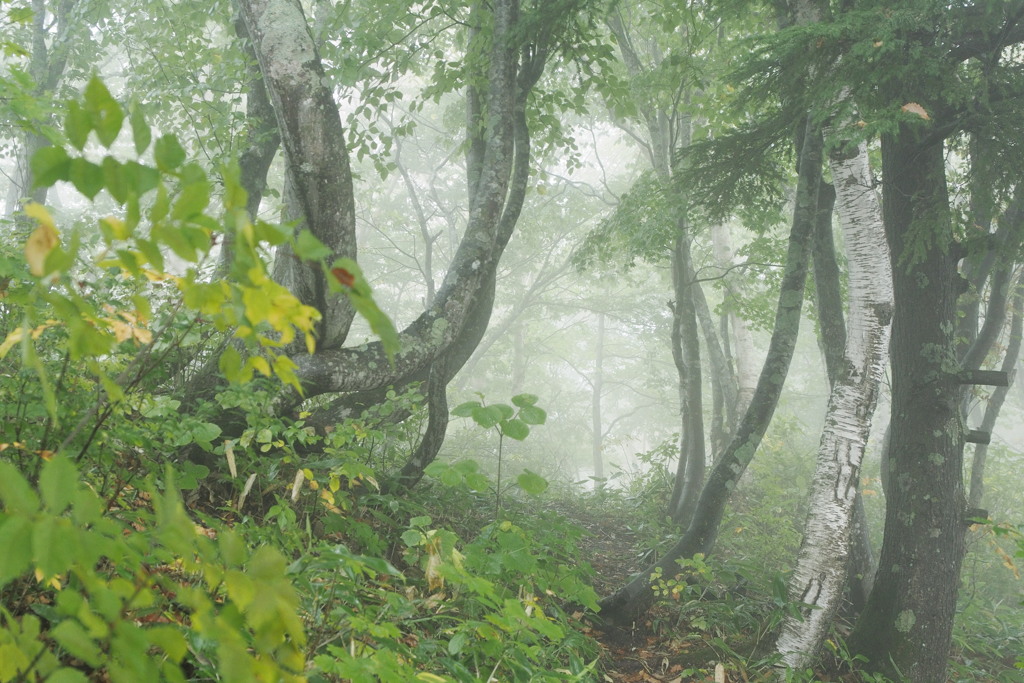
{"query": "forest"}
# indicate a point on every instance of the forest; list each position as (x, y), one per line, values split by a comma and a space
(511, 340)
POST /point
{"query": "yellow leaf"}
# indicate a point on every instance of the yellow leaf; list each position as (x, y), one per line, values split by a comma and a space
(42, 240)
(915, 108)
(122, 331)
(13, 338)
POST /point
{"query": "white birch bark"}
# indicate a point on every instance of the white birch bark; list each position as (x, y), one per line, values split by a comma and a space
(821, 566)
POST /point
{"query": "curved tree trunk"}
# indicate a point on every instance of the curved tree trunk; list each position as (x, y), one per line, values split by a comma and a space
(633, 599)
(314, 144)
(820, 573)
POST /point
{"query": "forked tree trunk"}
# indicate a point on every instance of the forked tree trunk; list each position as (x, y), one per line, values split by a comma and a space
(820, 574)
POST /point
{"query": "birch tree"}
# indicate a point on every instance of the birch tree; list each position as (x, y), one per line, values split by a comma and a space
(820, 573)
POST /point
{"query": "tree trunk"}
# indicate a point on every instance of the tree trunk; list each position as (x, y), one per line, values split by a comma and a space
(633, 599)
(995, 402)
(821, 570)
(597, 386)
(907, 625)
(690, 474)
(828, 293)
(262, 141)
(46, 66)
(743, 341)
(314, 146)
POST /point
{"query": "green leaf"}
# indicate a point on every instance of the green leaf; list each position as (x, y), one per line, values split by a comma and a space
(523, 400)
(192, 200)
(457, 643)
(486, 416)
(73, 638)
(16, 541)
(412, 537)
(465, 409)
(57, 484)
(54, 545)
(66, 675)
(532, 415)
(115, 180)
(87, 177)
(230, 365)
(515, 429)
(170, 639)
(477, 481)
(241, 588)
(17, 496)
(233, 552)
(141, 134)
(49, 165)
(204, 433)
(143, 178)
(309, 248)
(532, 483)
(77, 125)
(168, 153)
(106, 113)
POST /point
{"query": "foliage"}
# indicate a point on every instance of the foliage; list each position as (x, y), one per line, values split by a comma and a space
(132, 590)
(506, 421)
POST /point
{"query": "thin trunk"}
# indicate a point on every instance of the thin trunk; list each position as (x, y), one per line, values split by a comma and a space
(723, 381)
(995, 402)
(633, 599)
(597, 386)
(690, 475)
(820, 574)
(827, 290)
(743, 354)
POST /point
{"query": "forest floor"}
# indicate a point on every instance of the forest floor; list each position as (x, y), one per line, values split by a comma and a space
(655, 650)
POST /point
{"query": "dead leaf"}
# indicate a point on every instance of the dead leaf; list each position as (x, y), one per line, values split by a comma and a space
(42, 240)
(915, 108)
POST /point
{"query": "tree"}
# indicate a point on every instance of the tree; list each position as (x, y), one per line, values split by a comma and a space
(635, 597)
(820, 572)
(506, 56)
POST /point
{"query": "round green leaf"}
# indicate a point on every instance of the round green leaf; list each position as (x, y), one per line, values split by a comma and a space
(522, 400)
(465, 409)
(515, 429)
(532, 483)
(532, 415)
